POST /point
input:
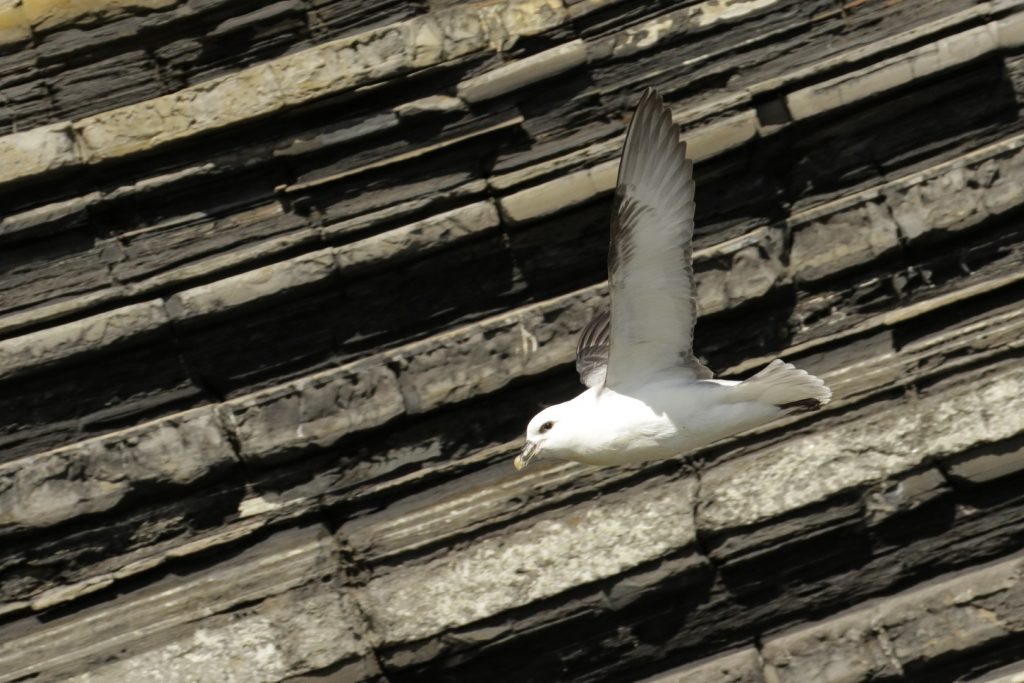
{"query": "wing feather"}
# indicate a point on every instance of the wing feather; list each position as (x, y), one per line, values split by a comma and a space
(592, 351)
(650, 271)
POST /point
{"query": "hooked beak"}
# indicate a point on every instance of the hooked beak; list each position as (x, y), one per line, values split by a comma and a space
(530, 451)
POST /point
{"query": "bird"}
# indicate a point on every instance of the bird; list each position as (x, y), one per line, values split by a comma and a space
(648, 397)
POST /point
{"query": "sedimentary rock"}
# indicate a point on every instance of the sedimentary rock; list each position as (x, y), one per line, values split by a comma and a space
(283, 281)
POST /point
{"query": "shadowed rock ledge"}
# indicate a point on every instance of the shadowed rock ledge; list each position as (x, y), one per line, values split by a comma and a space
(282, 282)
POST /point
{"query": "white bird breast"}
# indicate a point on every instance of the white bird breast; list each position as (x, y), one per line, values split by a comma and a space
(616, 428)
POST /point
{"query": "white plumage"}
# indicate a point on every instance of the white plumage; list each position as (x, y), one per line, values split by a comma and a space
(648, 397)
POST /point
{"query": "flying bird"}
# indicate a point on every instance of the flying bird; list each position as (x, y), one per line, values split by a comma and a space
(648, 397)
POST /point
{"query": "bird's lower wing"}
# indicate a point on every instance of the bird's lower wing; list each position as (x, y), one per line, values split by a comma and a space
(592, 351)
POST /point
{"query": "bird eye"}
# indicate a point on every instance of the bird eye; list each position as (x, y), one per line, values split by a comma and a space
(546, 426)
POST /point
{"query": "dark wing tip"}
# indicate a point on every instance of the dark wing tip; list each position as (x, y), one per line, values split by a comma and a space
(647, 109)
(592, 350)
(595, 334)
(651, 94)
(649, 131)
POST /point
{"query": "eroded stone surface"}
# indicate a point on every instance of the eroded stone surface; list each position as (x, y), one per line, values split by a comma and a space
(296, 622)
(255, 285)
(95, 475)
(944, 53)
(738, 667)
(812, 467)
(261, 90)
(39, 349)
(37, 151)
(315, 411)
(842, 650)
(826, 244)
(418, 239)
(489, 576)
(515, 75)
(956, 614)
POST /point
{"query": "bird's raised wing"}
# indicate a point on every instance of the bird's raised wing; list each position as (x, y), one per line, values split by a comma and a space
(650, 271)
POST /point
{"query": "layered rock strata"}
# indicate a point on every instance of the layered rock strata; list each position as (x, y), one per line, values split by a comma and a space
(283, 281)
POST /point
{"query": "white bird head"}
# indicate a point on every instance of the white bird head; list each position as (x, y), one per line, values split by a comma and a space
(550, 433)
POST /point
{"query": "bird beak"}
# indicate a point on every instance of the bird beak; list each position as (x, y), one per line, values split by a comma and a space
(530, 451)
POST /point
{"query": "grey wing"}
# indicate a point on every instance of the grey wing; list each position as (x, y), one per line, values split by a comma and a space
(592, 351)
(650, 270)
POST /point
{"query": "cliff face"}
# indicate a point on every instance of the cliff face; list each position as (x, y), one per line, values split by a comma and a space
(282, 282)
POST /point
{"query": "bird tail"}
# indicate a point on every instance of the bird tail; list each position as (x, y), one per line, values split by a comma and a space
(785, 386)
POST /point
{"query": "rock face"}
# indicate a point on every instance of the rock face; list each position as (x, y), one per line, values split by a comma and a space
(282, 282)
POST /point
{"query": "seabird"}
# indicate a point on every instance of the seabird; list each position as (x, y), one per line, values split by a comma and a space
(648, 397)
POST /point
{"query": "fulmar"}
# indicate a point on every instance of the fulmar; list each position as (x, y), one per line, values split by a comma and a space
(648, 396)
